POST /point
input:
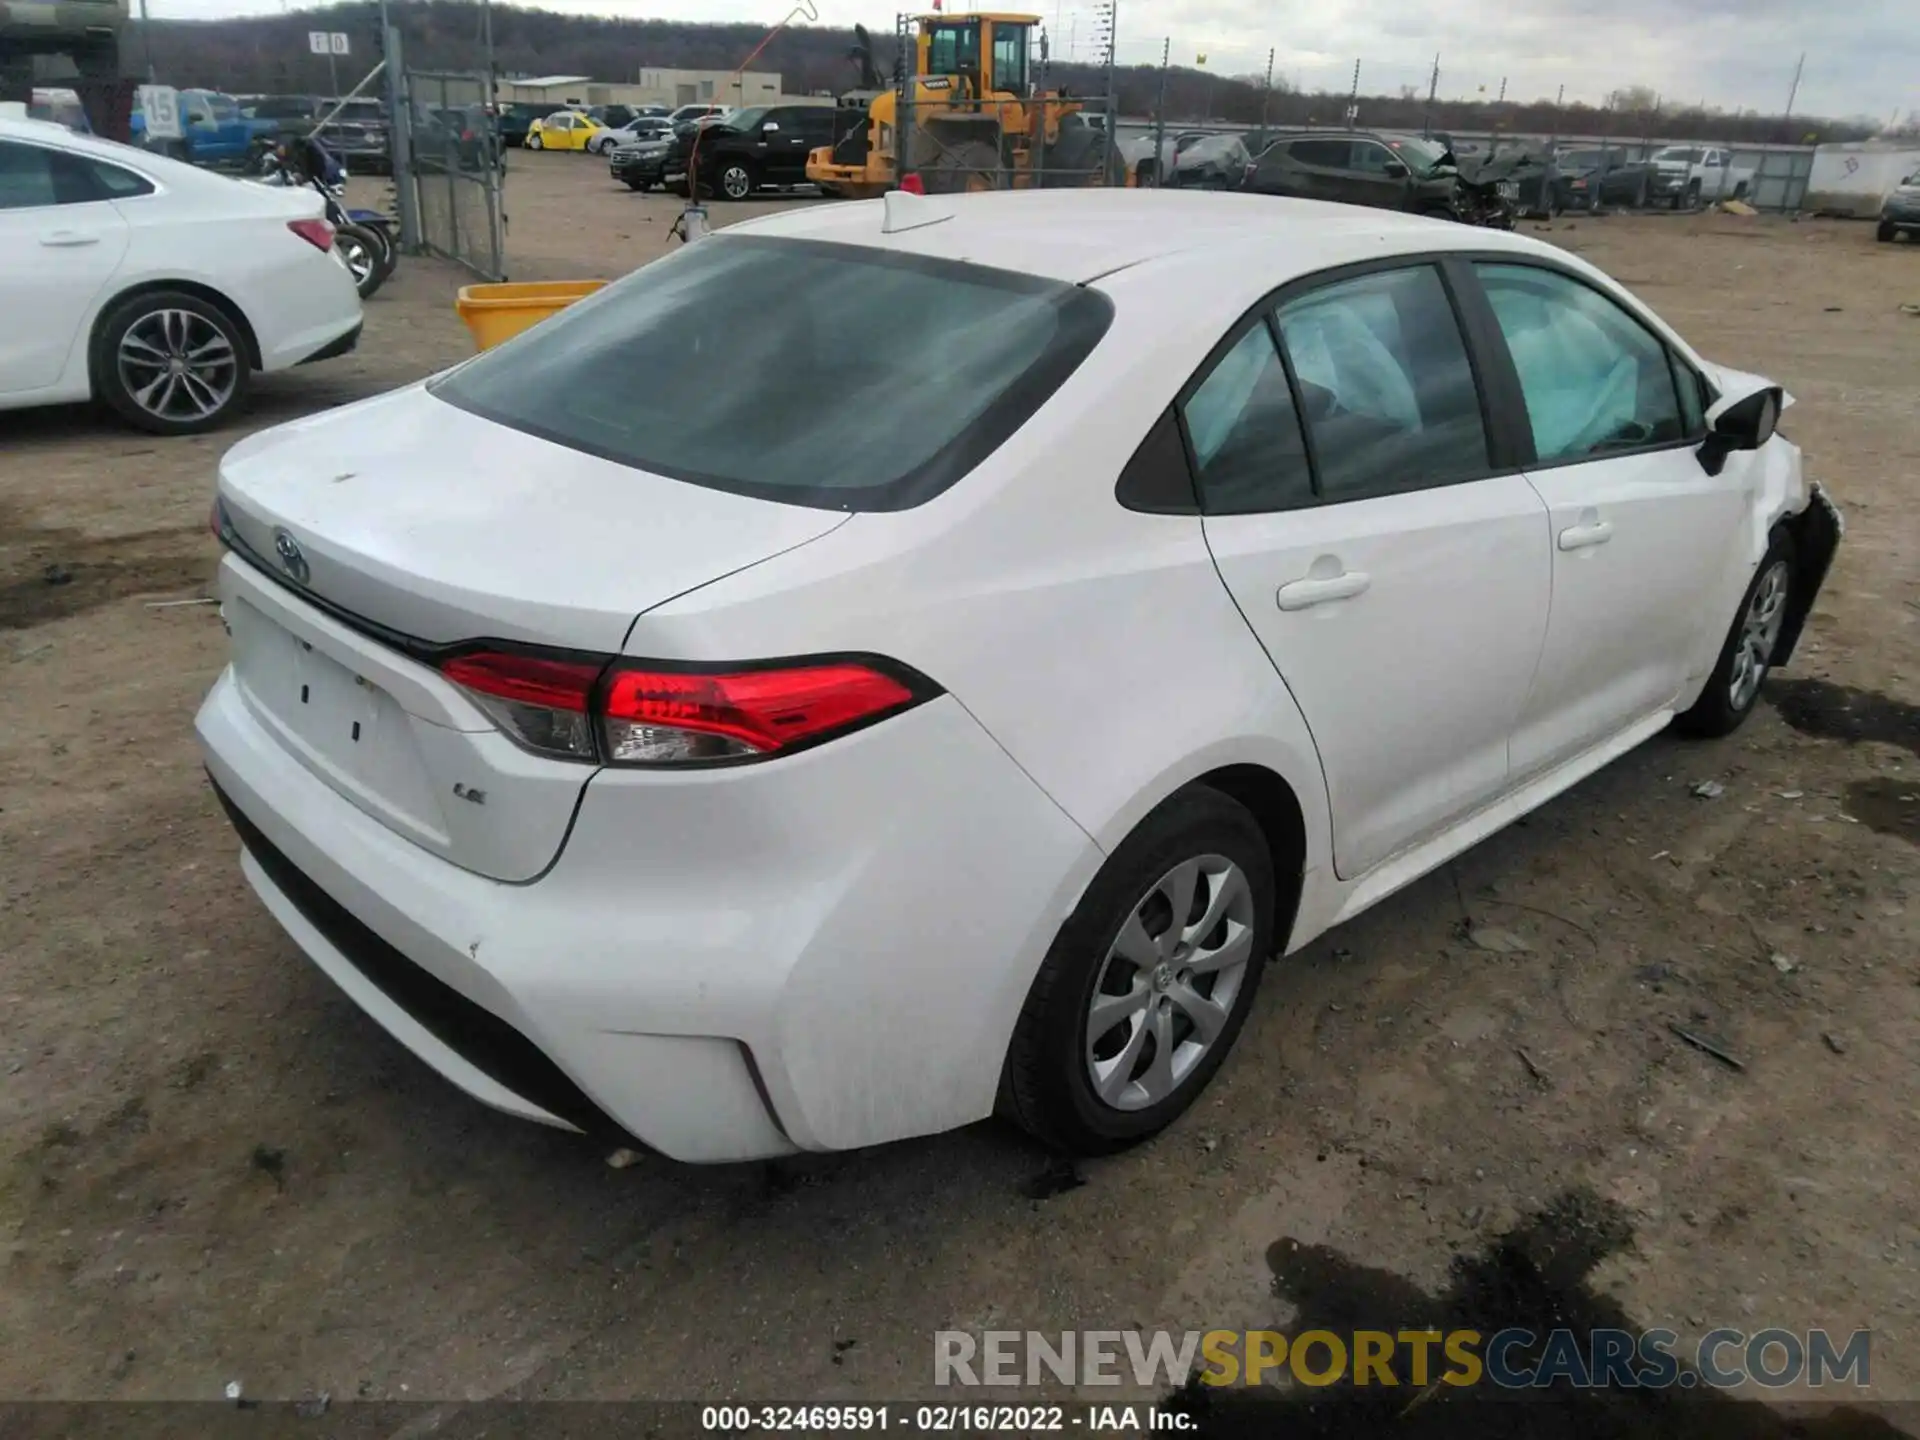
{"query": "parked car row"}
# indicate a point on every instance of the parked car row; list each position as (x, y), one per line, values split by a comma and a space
(735, 153)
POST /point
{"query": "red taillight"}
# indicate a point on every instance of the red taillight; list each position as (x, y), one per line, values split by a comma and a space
(317, 233)
(913, 185)
(540, 703)
(665, 717)
(563, 708)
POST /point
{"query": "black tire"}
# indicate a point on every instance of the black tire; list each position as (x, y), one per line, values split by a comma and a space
(112, 382)
(735, 180)
(636, 185)
(534, 142)
(1437, 212)
(1046, 1087)
(1693, 196)
(1717, 712)
(1885, 233)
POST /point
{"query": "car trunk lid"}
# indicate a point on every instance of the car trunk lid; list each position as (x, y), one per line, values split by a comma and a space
(370, 540)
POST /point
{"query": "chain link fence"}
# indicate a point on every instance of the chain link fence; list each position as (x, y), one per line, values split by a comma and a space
(452, 165)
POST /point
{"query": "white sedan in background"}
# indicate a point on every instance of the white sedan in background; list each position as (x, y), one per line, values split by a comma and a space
(152, 286)
(1068, 601)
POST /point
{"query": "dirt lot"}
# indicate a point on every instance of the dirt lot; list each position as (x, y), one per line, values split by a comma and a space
(213, 1168)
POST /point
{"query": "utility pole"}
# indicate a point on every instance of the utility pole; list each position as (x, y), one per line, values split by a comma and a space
(1433, 88)
(1160, 114)
(1109, 14)
(1266, 93)
(1793, 91)
(1503, 91)
(146, 45)
(1353, 97)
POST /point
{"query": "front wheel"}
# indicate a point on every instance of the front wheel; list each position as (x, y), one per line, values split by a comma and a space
(1885, 233)
(1734, 686)
(534, 142)
(735, 180)
(170, 363)
(1148, 983)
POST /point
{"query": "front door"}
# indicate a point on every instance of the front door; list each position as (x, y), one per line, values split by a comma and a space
(60, 243)
(1371, 184)
(1642, 535)
(1399, 587)
(784, 146)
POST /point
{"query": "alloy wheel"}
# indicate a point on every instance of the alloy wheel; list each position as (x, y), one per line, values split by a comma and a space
(1759, 632)
(735, 182)
(1169, 982)
(177, 365)
(359, 256)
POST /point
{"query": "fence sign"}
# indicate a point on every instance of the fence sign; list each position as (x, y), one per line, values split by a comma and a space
(327, 42)
(159, 106)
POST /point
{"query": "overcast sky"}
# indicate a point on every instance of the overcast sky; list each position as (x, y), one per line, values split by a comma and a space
(1863, 57)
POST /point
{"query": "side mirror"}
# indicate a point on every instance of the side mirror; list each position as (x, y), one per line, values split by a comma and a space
(1395, 170)
(770, 127)
(1739, 422)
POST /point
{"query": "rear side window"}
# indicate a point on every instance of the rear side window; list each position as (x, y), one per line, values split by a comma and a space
(33, 176)
(1320, 152)
(1248, 451)
(1595, 379)
(1388, 390)
(819, 374)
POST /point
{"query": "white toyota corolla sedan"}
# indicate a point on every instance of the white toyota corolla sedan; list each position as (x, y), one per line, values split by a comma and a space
(152, 286)
(1031, 613)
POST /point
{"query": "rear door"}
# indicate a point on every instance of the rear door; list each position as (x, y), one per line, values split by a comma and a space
(61, 242)
(1321, 169)
(1642, 534)
(1397, 578)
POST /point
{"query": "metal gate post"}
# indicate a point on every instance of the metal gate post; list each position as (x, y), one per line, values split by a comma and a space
(400, 115)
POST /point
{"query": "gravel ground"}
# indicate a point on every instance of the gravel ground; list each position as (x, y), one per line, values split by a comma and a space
(212, 1167)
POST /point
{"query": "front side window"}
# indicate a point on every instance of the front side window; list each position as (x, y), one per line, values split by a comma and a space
(1594, 378)
(1247, 447)
(762, 347)
(1370, 158)
(953, 48)
(1388, 391)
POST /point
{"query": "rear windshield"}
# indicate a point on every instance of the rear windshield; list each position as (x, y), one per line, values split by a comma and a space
(835, 376)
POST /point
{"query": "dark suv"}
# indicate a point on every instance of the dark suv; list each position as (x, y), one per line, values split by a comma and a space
(765, 145)
(1389, 172)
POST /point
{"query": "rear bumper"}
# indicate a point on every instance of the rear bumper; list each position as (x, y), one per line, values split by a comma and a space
(823, 952)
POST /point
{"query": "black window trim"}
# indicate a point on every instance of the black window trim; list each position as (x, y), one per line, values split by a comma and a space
(1509, 375)
(1501, 452)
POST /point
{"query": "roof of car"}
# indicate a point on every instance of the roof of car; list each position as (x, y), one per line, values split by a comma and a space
(1079, 235)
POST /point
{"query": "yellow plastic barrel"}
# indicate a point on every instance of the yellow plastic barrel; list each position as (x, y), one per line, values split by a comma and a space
(499, 312)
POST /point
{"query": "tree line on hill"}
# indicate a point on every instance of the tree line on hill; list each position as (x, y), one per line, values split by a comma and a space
(269, 54)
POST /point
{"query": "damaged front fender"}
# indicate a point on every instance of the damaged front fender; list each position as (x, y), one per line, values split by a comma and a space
(1816, 533)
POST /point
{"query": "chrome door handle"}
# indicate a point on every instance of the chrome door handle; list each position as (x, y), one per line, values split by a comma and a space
(69, 237)
(1303, 594)
(1584, 537)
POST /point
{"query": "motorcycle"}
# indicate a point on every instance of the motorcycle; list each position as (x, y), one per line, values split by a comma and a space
(363, 239)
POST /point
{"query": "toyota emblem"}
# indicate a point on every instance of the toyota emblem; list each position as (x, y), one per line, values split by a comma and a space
(291, 559)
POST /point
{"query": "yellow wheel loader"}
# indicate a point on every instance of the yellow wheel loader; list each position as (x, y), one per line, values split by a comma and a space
(976, 121)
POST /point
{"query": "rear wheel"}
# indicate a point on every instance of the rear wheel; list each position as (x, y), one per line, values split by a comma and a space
(1148, 983)
(357, 247)
(636, 185)
(1885, 233)
(170, 363)
(1734, 686)
(735, 180)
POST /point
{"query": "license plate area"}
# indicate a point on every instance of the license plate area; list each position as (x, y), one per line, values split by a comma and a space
(338, 723)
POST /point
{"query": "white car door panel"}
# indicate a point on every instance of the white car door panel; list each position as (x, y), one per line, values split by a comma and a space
(1411, 662)
(1399, 589)
(1641, 533)
(55, 259)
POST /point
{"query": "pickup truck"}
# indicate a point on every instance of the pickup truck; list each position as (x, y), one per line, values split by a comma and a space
(1692, 175)
(212, 129)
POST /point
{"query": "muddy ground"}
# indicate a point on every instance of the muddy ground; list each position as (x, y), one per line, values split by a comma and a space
(213, 1168)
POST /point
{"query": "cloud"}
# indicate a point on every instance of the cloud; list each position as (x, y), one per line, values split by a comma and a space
(1739, 54)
